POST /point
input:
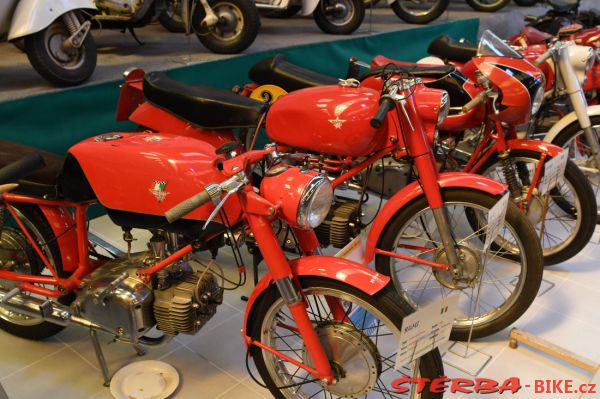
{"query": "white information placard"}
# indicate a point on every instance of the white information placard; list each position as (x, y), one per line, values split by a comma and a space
(554, 171)
(495, 221)
(426, 329)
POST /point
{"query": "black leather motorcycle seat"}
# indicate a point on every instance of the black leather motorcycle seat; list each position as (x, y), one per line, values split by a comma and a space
(277, 71)
(447, 48)
(416, 70)
(41, 183)
(206, 107)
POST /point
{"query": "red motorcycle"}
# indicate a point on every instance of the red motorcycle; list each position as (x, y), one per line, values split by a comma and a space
(429, 235)
(316, 326)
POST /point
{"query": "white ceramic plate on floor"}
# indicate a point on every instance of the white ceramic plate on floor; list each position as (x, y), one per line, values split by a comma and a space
(148, 379)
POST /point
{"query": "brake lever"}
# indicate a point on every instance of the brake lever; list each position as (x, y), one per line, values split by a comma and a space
(230, 190)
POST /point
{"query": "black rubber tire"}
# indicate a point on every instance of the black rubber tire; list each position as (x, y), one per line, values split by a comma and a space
(214, 43)
(385, 300)
(498, 5)
(514, 218)
(435, 13)
(44, 329)
(170, 19)
(283, 14)
(571, 131)
(46, 66)
(526, 3)
(322, 19)
(583, 190)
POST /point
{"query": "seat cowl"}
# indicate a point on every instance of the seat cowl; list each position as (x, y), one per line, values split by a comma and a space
(447, 48)
(277, 71)
(206, 107)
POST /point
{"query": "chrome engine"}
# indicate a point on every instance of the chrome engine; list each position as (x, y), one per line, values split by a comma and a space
(179, 300)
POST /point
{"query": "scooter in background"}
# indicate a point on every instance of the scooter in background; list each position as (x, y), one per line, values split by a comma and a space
(55, 37)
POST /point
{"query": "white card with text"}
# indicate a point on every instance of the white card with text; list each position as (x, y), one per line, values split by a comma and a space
(495, 221)
(554, 171)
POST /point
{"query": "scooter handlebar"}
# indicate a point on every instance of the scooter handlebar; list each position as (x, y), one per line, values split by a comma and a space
(385, 106)
(22, 168)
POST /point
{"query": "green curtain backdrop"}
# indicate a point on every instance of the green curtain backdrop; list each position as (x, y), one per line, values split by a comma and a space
(55, 121)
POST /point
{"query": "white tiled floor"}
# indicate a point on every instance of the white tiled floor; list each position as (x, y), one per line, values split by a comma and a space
(211, 364)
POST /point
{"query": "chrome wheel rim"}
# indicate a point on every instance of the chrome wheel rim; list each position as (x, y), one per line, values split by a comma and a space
(54, 37)
(231, 22)
(417, 7)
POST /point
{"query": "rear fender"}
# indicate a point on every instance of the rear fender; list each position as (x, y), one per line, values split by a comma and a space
(565, 121)
(131, 93)
(61, 223)
(340, 269)
(535, 145)
(414, 190)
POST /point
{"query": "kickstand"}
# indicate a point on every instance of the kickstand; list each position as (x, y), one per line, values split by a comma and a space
(100, 357)
(130, 29)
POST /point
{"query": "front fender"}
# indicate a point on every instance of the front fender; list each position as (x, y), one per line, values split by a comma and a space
(593, 110)
(414, 190)
(535, 145)
(340, 269)
(31, 16)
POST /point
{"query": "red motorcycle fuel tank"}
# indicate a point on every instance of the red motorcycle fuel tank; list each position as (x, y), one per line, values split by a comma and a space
(148, 173)
(331, 120)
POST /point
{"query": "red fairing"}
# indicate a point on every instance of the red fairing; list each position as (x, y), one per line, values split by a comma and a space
(151, 173)
(131, 94)
(330, 120)
(514, 106)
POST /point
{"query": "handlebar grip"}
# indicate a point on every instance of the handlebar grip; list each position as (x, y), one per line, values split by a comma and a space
(542, 58)
(185, 207)
(478, 99)
(386, 106)
(22, 168)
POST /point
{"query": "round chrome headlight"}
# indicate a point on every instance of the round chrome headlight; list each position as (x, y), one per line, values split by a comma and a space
(315, 202)
(444, 108)
(538, 99)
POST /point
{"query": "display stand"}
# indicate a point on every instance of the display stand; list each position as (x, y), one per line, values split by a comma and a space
(518, 336)
(467, 359)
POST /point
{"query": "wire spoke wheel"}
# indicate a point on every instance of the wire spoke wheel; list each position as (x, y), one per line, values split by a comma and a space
(509, 275)
(361, 345)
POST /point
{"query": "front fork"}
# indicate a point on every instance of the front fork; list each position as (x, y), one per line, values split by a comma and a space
(78, 30)
(281, 272)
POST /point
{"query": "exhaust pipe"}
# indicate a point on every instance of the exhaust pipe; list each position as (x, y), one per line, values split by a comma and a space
(45, 310)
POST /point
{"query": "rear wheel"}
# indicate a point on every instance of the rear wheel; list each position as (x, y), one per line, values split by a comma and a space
(17, 255)
(362, 350)
(510, 278)
(568, 223)
(488, 5)
(170, 19)
(236, 29)
(339, 17)
(572, 138)
(419, 11)
(64, 67)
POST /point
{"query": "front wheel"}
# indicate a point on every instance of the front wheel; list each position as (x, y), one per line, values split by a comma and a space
(419, 11)
(361, 345)
(565, 218)
(236, 28)
(61, 66)
(339, 17)
(572, 139)
(509, 275)
(487, 5)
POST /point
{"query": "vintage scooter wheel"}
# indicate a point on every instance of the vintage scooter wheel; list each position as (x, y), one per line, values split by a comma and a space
(170, 19)
(339, 17)
(59, 66)
(511, 277)
(569, 222)
(236, 29)
(13, 244)
(367, 341)
(573, 140)
(415, 12)
(488, 5)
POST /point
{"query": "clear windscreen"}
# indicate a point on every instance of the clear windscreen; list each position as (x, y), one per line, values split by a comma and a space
(491, 45)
